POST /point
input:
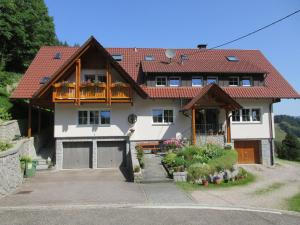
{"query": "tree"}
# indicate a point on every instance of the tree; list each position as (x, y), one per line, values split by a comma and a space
(24, 27)
(290, 148)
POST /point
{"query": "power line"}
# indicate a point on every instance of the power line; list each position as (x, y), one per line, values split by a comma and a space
(253, 32)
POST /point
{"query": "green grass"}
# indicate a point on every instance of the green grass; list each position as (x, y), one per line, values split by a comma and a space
(189, 187)
(270, 188)
(294, 203)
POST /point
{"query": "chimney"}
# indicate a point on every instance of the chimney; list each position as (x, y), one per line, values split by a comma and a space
(202, 46)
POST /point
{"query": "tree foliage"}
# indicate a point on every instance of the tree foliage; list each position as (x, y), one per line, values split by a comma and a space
(25, 26)
(289, 148)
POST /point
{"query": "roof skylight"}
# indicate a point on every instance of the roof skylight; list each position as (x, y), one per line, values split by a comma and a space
(117, 57)
(57, 55)
(184, 57)
(232, 58)
(149, 58)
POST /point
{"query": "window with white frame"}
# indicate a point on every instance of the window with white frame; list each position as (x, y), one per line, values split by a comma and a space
(246, 115)
(197, 81)
(174, 81)
(161, 81)
(94, 117)
(212, 80)
(105, 117)
(236, 115)
(255, 113)
(233, 81)
(82, 117)
(246, 82)
(94, 78)
(163, 116)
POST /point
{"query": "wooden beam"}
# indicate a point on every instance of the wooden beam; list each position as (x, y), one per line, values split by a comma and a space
(78, 79)
(108, 84)
(29, 131)
(193, 126)
(228, 127)
(39, 120)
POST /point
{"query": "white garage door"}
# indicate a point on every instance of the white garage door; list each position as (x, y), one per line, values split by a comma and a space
(111, 154)
(77, 155)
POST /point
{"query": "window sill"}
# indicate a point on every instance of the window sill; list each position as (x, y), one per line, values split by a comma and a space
(249, 122)
(162, 124)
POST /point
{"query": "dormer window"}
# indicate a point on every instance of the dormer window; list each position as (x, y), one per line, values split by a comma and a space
(233, 81)
(184, 57)
(57, 55)
(149, 58)
(175, 81)
(118, 57)
(246, 82)
(161, 81)
(212, 80)
(232, 58)
(197, 81)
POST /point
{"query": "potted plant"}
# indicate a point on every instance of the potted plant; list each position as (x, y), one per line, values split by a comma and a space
(217, 180)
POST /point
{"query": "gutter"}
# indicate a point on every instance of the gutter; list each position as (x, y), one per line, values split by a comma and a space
(271, 132)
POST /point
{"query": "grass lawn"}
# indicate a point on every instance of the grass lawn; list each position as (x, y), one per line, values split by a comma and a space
(294, 203)
(189, 187)
(272, 187)
(284, 161)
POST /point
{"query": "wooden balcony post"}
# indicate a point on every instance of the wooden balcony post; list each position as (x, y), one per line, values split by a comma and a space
(108, 84)
(228, 127)
(193, 126)
(29, 132)
(78, 79)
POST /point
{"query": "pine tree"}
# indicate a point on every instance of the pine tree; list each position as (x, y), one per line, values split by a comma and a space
(291, 147)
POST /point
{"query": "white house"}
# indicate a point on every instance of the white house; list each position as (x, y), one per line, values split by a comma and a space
(105, 101)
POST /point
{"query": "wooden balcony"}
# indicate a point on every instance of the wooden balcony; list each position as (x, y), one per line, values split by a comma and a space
(92, 92)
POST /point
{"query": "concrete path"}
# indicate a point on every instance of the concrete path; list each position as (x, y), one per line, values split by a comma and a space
(271, 189)
(154, 171)
(84, 187)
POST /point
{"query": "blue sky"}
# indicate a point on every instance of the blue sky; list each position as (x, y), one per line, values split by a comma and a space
(184, 24)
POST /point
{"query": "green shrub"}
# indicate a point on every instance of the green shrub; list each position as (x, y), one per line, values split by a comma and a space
(169, 159)
(224, 162)
(199, 171)
(25, 158)
(179, 161)
(136, 169)
(140, 155)
(4, 146)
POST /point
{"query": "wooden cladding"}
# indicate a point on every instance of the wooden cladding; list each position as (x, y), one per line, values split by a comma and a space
(77, 92)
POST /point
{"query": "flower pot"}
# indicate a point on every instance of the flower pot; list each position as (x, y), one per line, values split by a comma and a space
(218, 181)
(205, 183)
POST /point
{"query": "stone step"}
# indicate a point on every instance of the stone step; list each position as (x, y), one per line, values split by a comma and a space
(158, 180)
(42, 167)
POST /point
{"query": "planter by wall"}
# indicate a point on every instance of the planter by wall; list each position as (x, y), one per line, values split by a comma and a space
(180, 176)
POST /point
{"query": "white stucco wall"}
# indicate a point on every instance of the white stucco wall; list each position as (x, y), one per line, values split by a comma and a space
(253, 130)
(66, 120)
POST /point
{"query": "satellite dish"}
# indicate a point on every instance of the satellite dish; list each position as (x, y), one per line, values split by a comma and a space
(170, 53)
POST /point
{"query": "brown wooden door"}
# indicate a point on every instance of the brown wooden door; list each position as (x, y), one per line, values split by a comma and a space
(248, 151)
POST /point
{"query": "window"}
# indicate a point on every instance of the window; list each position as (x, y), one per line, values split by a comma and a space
(232, 58)
(89, 77)
(174, 81)
(82, 117)
(94, 117)
(149, 57)
(105, 117)
(168, 116)
(236, 115)
(197, 81)
(255, 114)
(161, 81)
(118, 57)
(101, 78)
(233, 81)
(246, 115)
(246, 82)
(162, 116)
(184, 57)
(211, 80)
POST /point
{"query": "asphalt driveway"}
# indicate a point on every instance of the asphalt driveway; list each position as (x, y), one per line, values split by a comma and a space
(90, 187)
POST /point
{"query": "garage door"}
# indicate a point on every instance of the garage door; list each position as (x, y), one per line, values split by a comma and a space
(77, 155)
(111, 154)
(248, 151)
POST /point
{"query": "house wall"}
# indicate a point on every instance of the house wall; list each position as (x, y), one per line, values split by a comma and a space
(251, 130)
(66, 124)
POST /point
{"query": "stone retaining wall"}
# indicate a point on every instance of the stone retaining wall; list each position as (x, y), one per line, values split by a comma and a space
(9, 129)
(10, 169)
(210, 139)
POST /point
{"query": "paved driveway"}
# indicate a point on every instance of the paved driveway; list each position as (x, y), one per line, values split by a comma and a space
(84, 187)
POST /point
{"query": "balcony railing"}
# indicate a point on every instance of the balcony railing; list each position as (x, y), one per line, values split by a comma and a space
(210, 129)
(118, 91)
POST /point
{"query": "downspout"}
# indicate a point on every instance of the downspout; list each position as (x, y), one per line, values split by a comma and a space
(271, 133)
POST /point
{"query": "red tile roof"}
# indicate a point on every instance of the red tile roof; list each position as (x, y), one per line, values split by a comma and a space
(202, 66)
(44, 64)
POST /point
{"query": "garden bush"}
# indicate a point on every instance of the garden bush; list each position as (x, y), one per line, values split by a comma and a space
(140, 155)
(172, 144)
(199, 171)
(224, 162)
(169, 159)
